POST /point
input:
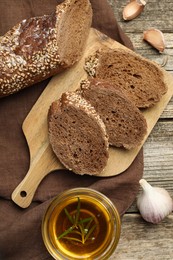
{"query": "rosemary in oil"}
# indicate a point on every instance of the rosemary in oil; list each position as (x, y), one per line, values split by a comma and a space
(80, 225)
(81, 229)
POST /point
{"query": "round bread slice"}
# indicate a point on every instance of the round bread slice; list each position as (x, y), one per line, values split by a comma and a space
(140, 79)
(77, 135)
(125, 124)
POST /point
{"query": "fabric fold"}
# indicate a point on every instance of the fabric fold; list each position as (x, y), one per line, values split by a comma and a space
(20, 229)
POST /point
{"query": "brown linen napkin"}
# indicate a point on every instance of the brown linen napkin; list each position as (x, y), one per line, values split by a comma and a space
(20, 229)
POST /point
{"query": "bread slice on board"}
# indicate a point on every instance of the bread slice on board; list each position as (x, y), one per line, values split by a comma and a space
(140, 79)
(125, 124)
(40, 47)
(77, 135)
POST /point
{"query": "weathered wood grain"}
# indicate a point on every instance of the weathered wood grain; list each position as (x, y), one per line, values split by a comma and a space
(158, 150)
(156, 14)
(139, 239)
(142, 240)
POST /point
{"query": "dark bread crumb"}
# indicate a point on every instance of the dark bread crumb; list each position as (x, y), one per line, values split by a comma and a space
(77, 135)
(140, 79)
(125, 124)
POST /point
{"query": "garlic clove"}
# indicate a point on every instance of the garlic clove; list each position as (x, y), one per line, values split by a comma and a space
(154, 203)
(155, 38)
(133, 9)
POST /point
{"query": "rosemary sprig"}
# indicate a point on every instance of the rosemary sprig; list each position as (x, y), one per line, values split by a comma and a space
(77, 212)
(69, 230)
(83, 228)
(68, 216)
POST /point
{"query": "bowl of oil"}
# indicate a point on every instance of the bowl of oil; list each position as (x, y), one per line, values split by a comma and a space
(81, 223)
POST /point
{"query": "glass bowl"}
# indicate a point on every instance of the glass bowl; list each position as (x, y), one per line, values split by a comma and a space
(81, 223)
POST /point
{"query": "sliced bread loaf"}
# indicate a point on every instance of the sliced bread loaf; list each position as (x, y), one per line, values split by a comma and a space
(78, 135)
(40, 47)
(125, 124)
(140, 79)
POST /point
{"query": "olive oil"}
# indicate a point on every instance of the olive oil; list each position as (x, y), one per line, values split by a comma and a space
(81, 223)
(98, 240)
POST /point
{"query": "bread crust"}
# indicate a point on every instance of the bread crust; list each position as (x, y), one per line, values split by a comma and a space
(125, 124)
(77, 135)
(40, 47)
(141, 80)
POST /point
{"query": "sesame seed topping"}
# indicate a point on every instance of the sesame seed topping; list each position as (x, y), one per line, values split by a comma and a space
(75, 99)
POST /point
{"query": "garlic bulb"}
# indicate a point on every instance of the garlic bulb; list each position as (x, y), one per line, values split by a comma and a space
(154, 203)
(155, 38)
(133, 9)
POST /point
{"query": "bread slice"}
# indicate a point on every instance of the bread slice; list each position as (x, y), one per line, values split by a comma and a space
(140, 79)
(78, 135)
(40, 47)
(125, 124)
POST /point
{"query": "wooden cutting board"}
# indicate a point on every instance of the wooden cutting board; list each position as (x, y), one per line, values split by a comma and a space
(42, 159)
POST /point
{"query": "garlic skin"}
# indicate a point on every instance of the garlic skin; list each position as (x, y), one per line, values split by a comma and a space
(133, 9)
(154, 203)
(155, 38)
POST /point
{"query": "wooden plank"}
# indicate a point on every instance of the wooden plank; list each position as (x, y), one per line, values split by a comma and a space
(156, 14)
(142, 240)
(168, 111)
(137, 39)
(158, 152)
(158, 158)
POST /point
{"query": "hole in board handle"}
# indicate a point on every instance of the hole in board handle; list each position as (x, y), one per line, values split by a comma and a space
(23, 194)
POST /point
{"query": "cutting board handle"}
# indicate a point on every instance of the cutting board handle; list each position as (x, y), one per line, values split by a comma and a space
(41, 165)
(24, 192)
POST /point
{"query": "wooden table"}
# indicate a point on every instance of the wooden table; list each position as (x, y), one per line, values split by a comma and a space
(139, 239)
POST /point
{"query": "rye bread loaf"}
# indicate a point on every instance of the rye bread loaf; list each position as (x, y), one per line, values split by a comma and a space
(40, 47)
(140, 79)
(77, 135)
(125, 124)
